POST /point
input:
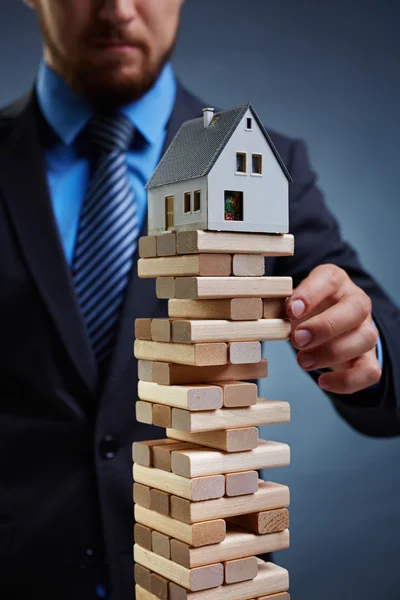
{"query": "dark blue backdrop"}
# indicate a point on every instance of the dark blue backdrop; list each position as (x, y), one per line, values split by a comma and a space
(326, 71)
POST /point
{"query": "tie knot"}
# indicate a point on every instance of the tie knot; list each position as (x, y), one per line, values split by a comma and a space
(111, 133)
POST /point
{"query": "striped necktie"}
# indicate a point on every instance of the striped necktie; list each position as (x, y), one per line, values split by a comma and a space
(107, 234)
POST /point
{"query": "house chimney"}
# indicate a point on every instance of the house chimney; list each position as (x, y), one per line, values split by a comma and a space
(208, 114)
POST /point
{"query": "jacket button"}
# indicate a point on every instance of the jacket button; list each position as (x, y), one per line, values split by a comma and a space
(109, 447)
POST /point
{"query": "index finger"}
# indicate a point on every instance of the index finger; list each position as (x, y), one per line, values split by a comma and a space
(324, 282)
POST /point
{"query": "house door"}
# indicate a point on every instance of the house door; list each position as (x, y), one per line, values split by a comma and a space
(169, 212)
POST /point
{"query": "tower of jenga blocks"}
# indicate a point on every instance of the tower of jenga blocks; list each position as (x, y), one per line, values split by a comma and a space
(203, 515)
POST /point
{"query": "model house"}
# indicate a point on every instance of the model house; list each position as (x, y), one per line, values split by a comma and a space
(221, 173)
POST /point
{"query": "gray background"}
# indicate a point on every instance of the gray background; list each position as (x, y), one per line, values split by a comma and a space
(326, 71)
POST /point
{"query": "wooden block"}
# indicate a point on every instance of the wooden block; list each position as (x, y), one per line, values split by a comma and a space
(141, 495)
(142, 594)
(144, 412)
(203, 288)
(166, 244)
(200, 578)
(213, 330)
(162, 454)
(248, 265)
(238, 393)
(244, 352)
(147, 246)
(159, 586)
(159, 502)
(160, 544)
(196, 354)
(270, 579)
(264, 522)
(189, 242)
(282, 596)
(268, 496)
(230, 440)
(173, 374)
(202, 265)
(161, 330)
(162, 415)
(145, 370)
(265, 412)
(237, 543)
(240, 569)
(189, 397)
(234, 309)
(165, 287)
(142, 451)
(143, 329)
(142, 536)
(195, 489)
(240, 484)
(274, 308)
(143, 577)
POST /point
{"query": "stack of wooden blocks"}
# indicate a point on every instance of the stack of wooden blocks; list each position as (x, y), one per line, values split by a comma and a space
(203, 515)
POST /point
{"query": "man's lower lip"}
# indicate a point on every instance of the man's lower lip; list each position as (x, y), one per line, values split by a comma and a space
(116, 48)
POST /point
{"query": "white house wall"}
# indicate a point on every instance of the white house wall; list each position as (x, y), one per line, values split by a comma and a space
(182, 221)
(265, 204)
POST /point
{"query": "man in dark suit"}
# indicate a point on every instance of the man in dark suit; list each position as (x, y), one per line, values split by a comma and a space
(75, 154)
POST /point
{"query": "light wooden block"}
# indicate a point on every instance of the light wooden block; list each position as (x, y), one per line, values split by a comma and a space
(143, 577)
(240, 484)
(229, 440)
(244, 352)
(248, 265)
(196, 534)
(274, 308)
(189, 397)
(270, 579)
(160, 330)
(144, 412)
(204, 288)
(237, 394)
(145, 370)
(237, 543)
(160, 544)
(159, 502)
(194, 241)
(213, 330)
(241, 569)
(162, 416)
(142, 594)
(234, 309)
(142, 536)
(143, 329)
(141, 495)
(282, 596)
(159, 586)
(195, 354)
(200, 578)
(162, 454)
(195, 489)
(166, 244)
(174, 374)
(147, 246)
(265, 412)
(142, 451)
(268, 497)
(165, 287)
(264, 522)
(202, 265)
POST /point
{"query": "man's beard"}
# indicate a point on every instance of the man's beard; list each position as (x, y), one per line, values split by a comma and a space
(100, 81)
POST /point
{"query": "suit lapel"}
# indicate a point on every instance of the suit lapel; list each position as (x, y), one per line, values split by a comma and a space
(24, 187)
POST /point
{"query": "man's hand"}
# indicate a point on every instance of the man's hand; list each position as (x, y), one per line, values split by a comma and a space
(332, 327)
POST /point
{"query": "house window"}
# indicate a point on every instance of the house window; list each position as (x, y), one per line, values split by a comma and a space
(233, 206)
(240, 162)
(197, 201)
(257, 164)
(249, 121)
(187, 202)
(169, 212)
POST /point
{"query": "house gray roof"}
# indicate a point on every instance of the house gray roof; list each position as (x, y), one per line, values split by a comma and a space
(195, 149)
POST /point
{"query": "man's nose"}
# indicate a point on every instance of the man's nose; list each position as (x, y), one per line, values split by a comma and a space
(118, 11)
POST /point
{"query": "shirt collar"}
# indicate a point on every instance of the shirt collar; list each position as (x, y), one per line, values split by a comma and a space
(68, 113)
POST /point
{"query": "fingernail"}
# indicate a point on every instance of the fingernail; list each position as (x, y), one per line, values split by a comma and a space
(298, 307)
(307, 361)
(303, 337)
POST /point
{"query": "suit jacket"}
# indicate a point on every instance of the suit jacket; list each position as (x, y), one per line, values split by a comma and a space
(67, 430)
